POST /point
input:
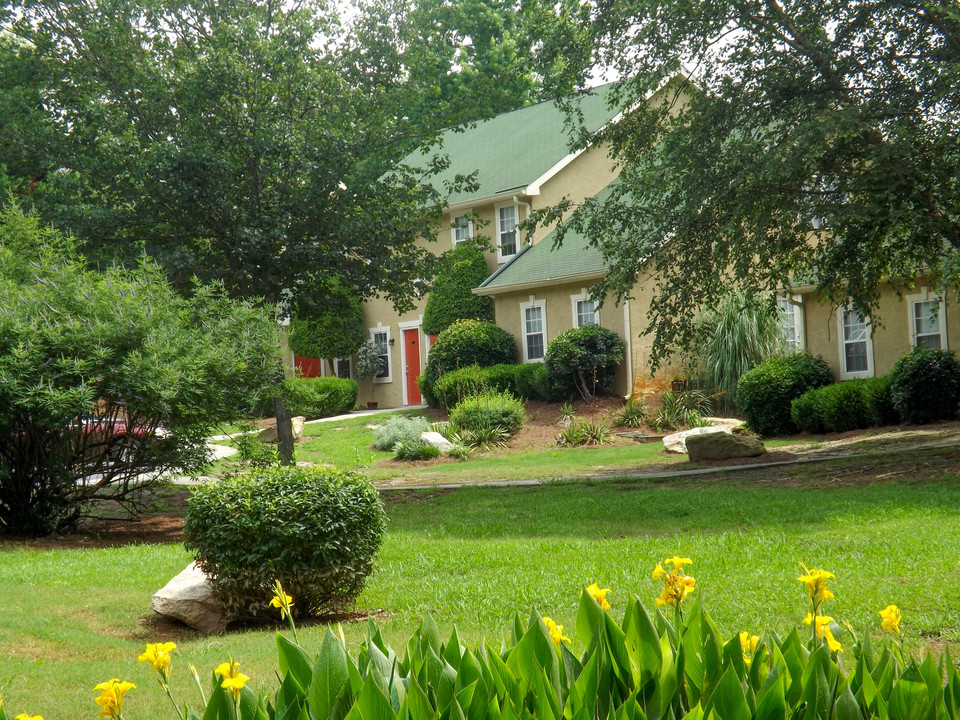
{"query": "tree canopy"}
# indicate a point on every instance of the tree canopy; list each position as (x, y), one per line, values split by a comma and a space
(451, 297)
(801, 143)
(257, 143)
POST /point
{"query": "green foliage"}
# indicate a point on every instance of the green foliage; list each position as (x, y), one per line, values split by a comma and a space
(737, 335)
(764, 394)
(451, 297)
(660, 665)
(682, 409)
(583, 361)
(459, 384)
(316, 530)
(110, 376)
(334, 330)
(582, 432)
(566, 413)
(253, 453)
(634, 414)
(466, 342)
(485, 437)
(369, 362)
(533, 383)
(833, 408)
(818, 181)
(319, 397)
(415, 450)
(925, 386)
(487, 410)
(399, 429)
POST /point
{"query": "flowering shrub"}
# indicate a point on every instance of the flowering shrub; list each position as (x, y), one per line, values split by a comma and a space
(671, 664)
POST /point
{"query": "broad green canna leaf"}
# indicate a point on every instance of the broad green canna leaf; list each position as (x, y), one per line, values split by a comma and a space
(846, 707)
(910, 698)
(590, 616)
(295, 661)
(772, 704)
(642, 642)
(372, 703)
(330, 674)
(727, 700)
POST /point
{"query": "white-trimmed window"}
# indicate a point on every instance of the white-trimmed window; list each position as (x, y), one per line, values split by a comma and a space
(507, 220)
(533, 326)
(461, 228)
(342, 367)
(791, 322)
(380, 337)
(584, 310)
(928, 320)
(856, 345)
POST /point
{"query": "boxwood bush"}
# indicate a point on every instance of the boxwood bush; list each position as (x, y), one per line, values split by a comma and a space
(457, 385)
(764, 394)
(925, 386)
(317, 530)
(466, 342)
(488, 410)
(850, 405)
(583, 361)
(451, 296)
(319, 397)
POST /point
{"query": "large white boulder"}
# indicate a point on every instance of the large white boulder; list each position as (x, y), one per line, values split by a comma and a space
(437, 440)
(269, 433)
(677, 442)
(189, 599)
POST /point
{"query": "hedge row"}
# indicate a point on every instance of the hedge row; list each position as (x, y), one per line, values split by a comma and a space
(319, 397)
(528, 382)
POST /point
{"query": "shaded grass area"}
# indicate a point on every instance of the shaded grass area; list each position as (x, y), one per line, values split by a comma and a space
(473, 557)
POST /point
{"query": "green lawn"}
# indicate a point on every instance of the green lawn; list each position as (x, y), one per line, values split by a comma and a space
(72, 618)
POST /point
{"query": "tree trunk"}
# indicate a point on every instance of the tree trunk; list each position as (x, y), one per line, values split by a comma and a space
(284, 431)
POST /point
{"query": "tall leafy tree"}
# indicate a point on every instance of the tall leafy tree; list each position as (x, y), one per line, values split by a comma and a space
(230, 140)
(800, 142)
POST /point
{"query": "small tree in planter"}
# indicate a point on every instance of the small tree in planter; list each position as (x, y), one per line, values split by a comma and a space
(369, 366)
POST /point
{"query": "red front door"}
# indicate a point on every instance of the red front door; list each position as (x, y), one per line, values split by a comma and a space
(411, 362)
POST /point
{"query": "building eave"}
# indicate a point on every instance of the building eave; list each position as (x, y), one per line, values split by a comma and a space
(535, 284)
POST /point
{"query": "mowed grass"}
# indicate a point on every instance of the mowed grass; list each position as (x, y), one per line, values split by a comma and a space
(473, 557)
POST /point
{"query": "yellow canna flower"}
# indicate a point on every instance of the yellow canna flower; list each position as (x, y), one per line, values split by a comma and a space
(556, 631)
(281, 599)
(599, 595)
(678, 562)
(822, 622)
(233, 679)
(831, 642)
(748, 642)
(158, 655)
(890, 619)
(111, 695)
(24, 716)
(816, 580)
(658, 572)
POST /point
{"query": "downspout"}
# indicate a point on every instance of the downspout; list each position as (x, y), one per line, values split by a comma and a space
(518, 201)
(629, 338)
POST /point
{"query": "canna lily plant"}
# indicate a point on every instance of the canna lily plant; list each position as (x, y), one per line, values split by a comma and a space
(659, 665)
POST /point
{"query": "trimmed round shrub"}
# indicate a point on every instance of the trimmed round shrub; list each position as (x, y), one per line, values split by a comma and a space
(466, 342)
(533, 383)
(925, 386)
(457, 385)
(833, 408)
(879, 403)
(764, 394)
(416, 450)
(451, 297)
(319, 397)
(488, 410)
(316, 530)
(583, 361)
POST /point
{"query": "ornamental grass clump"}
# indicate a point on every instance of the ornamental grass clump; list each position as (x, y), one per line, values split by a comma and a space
(316, 530)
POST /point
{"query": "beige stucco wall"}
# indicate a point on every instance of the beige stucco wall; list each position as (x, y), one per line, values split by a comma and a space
(892, 331)
(558, 312)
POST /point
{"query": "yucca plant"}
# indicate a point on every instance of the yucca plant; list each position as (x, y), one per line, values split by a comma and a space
(683, 409)
(743, 331)
(633, 414)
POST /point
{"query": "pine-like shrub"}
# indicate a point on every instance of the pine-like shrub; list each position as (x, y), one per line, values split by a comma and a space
(399, 429)
(583, 361)
(316, 530)
(764, 394)
(466, 342)
(488, 410)
(925, 386)
(457, 385)
(319, 397)
(451, 296)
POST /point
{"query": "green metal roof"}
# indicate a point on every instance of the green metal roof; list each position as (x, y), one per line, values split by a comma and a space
(541, 264)
(513, 149)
